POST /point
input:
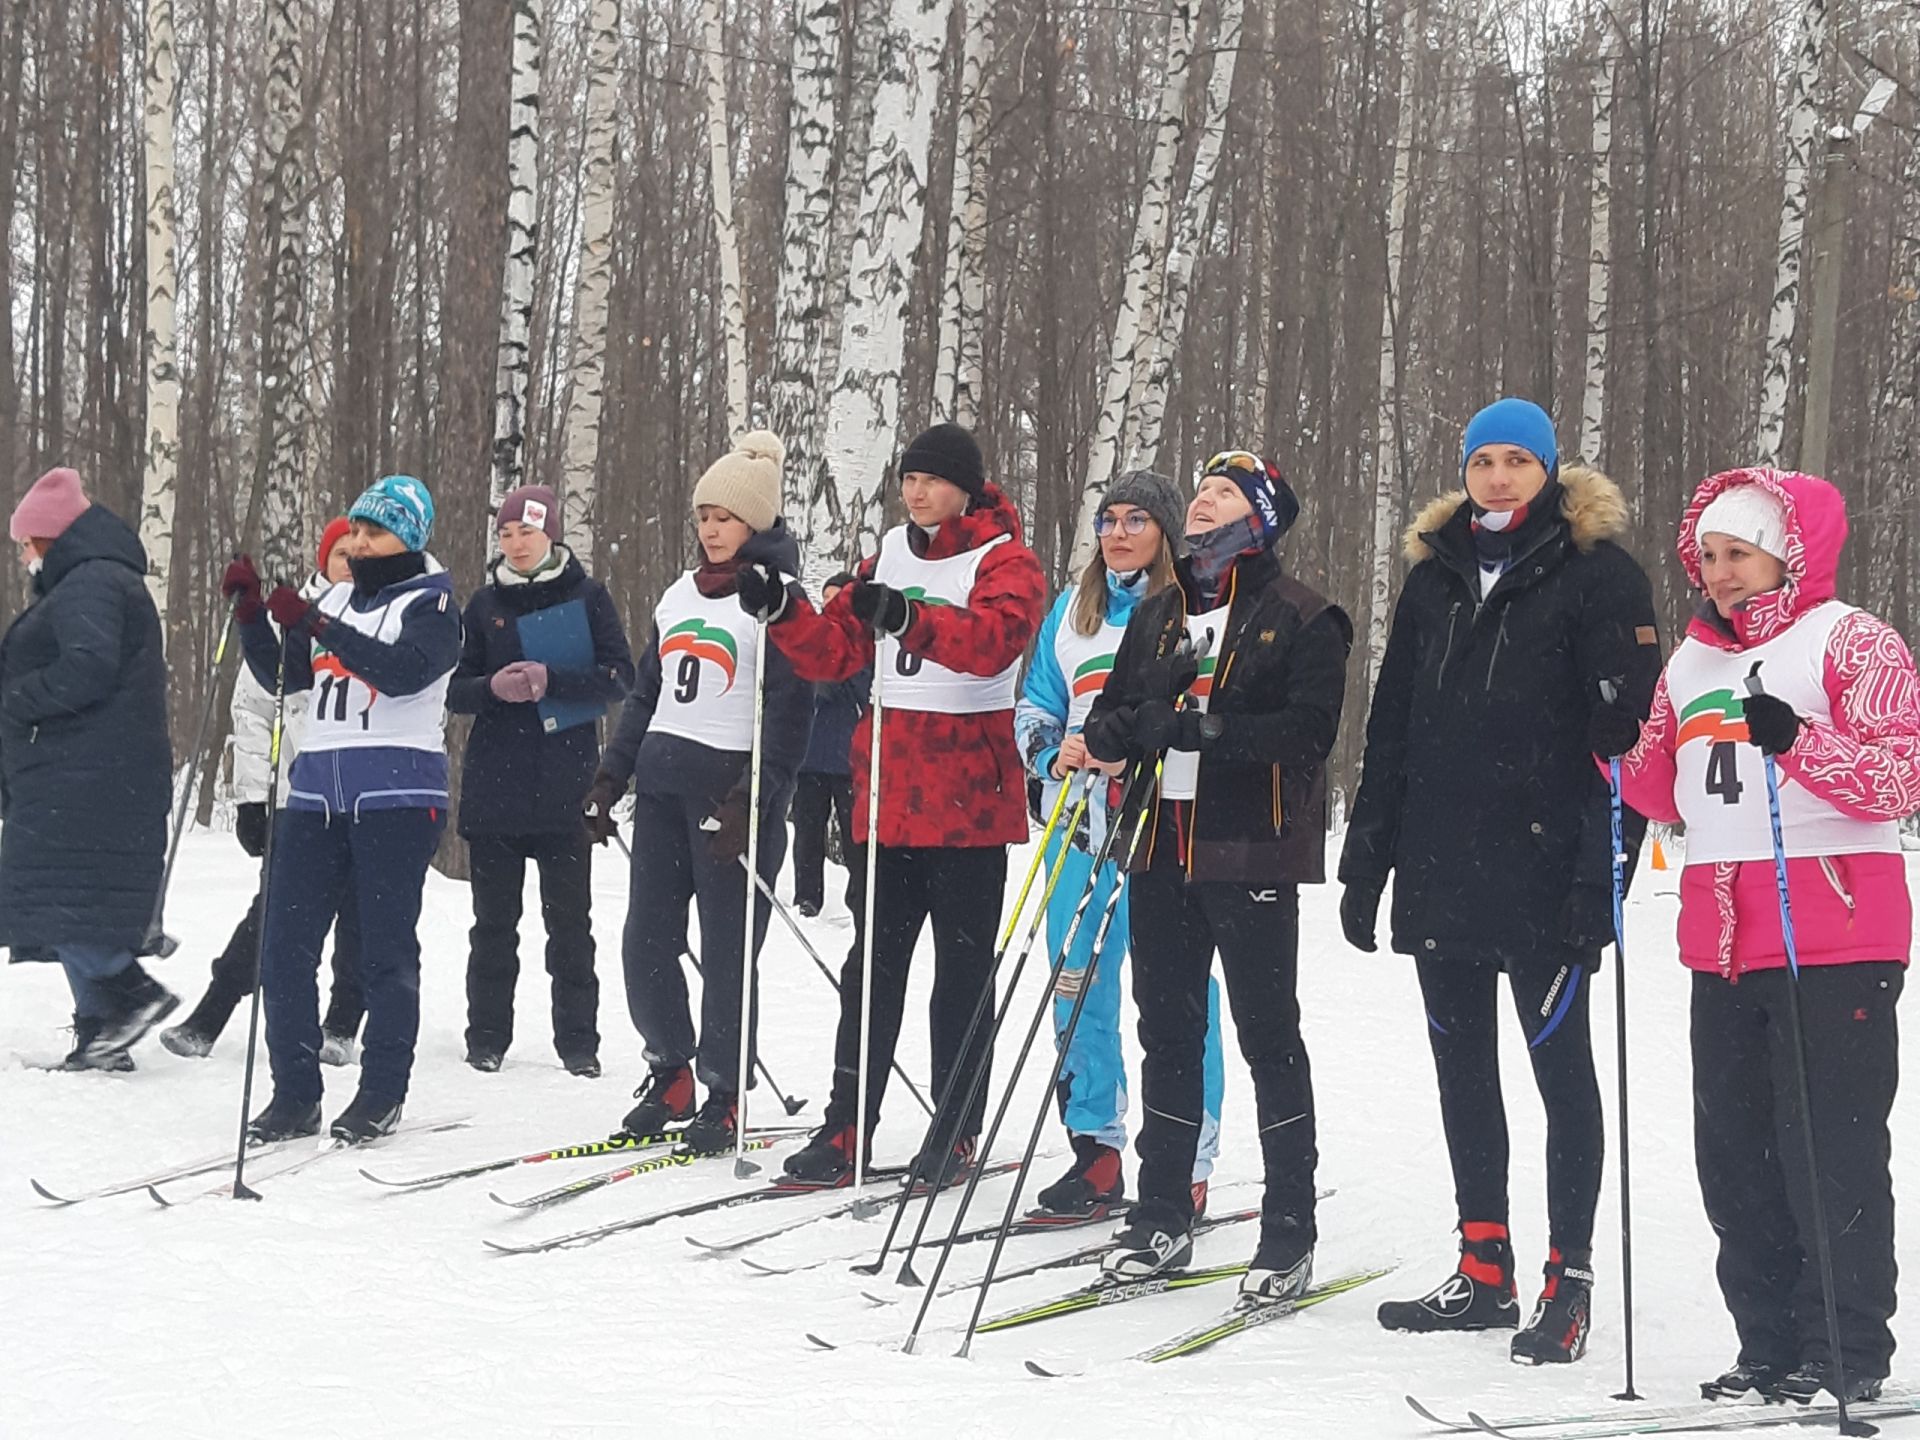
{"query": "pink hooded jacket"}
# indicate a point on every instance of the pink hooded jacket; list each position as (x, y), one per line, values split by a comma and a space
(1865, 763)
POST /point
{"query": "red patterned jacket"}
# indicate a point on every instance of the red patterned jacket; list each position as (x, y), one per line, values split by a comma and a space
(945, 780)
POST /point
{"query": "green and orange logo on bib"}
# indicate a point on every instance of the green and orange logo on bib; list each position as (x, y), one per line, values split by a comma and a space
(1203, 687)
(1716, 717)
(1091, 676)
(710, 643)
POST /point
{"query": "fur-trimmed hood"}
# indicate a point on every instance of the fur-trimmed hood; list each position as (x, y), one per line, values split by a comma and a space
(1594, 508)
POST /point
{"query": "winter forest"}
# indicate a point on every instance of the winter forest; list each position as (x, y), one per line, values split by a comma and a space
(260, 251)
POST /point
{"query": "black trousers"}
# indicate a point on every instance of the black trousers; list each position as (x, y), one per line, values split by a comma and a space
(959, 890)
(1462, 997)
(816, 798)
(674, 867)
(1749, 1146)
(498, 868)
(1177, 927)
(234, 970)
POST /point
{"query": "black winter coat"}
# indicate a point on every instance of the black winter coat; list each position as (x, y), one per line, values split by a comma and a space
(519, 780)
(85, 765)
(1260, 807)
(1478, 791)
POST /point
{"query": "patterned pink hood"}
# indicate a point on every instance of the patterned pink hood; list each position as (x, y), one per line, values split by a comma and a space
(1816, 533)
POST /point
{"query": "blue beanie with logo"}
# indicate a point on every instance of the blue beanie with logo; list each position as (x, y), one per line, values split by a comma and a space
(1513, 421)
(400, 504)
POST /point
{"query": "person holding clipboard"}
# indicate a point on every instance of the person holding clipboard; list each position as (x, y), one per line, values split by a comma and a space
(544, 655)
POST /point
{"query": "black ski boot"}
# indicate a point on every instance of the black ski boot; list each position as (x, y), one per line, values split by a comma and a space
(1803, 1384)
(1557, 1333)
(1282, 1267)
(1093, 1185)
(366, 1120)
(667, 1097)
(713, 1131)
(587, 1065)
(283, 1120)
(1477, 1296)
(826, 1158)
(1745, 1378)
(141, 1002)
(86, 1055)
(926, 1166)
(485, 1058)
(1144, 1248)
(193, 1037)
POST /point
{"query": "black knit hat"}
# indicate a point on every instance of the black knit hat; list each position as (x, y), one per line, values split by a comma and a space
(950, 452)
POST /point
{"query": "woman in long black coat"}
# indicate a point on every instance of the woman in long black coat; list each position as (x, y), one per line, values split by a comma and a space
(1480, 795)
(85, 767)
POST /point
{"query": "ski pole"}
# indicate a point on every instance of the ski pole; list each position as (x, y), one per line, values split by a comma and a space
(1013, 1078)
(241, 1190)
(876, 713)
(1823, 1246)
(1609, 691)
(158, 941)
(946, 1112)
(749, 952)
(1111, 908)
(791, 1105)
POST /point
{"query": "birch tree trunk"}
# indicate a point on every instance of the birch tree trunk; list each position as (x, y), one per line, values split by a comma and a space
(800, 300)
(1898, 408)
(587, 391)
(163, 375)
(957, 370)
(283, 402)
(1386, 456)
(863, 417)
(1196, 220)
(1599, 263)
(511, 373)
(733, 316)
(1142, 259)
(1802, 119)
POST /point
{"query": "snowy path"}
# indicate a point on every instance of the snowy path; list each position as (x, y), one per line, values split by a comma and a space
(333, 1308)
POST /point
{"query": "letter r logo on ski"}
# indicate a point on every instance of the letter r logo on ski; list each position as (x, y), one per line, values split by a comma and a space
(705, 642)
(1091, 675)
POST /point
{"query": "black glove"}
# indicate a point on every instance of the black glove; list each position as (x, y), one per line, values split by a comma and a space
(762, 590)
(250, 827)
(883, 607)
(1109, 735)
(1359, 911)
(1586, 916)
(1612, 729)
(1171, 676)
(605, 794)
(1772, 723)
(727, 827)
(1158, 726)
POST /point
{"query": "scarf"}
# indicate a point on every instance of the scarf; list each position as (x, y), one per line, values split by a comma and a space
(1499, 535)
(374, 573)
(717, 580)
(1212, 553)
(549, 568)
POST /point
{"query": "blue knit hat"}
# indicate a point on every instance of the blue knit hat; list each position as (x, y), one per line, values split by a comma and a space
(1513, 422)
(398, 503)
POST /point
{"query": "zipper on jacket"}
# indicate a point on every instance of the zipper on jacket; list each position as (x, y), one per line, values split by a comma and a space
(1499, 638)
(1828, 869)
(1279, 810)
(1219, 683)
(1453, 615)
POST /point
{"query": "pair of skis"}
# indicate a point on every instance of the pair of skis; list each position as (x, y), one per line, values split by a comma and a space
(1695, 1418)
(300, 1155)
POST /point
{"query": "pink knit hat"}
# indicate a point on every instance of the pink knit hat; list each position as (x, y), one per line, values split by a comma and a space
(55, 502)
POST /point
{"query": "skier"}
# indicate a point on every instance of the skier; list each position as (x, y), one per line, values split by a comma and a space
(1479, 794)
(527, 765)
(944, 609)
(234, 967)
(1137, 528)
(366, 798)
(825, 788)
(1237, 823)
(84, 767)
(686, 736)
(1841, 716)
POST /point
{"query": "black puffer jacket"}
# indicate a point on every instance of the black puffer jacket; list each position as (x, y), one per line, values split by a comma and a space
(520, 780)
(1478, 792)
(1260, 807)
(85, 765)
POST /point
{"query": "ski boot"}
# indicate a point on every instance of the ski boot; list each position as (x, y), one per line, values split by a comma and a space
(1092, 1186)
(365, 1120)
(1144, 1248)
(1803, 1384)
(283, 1120)
(1557, 1333)
(826, 1158)
(586, 1066)
(712, 1131)
(665, 1098)
(193, 1037)
(926, 1167)
(1744, 1378)
(1477, 1296)
(1281, 1269)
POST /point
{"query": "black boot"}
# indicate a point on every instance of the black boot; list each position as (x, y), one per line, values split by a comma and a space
(826, 1158)
(194, 1036)
(712, 1131)
(1282, 1267)
(1557, 1333)
(959, 1166)
(1477, 1296)
(665, 1099)
(1146, 1247)
(1803, 1384)
(1745, 1378)
(283, 1120)
(1092, 1186)
(366, 1120)
(140, 1002)
(86, 1055)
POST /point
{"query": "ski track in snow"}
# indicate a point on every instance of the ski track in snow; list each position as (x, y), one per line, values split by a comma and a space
(335, 1308)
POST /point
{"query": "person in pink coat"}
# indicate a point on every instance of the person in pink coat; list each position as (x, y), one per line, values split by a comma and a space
(1841, 716)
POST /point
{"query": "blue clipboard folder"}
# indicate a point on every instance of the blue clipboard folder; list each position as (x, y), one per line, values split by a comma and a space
(560, 639)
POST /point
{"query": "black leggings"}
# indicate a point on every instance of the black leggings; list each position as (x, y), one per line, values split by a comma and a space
(1550, 995)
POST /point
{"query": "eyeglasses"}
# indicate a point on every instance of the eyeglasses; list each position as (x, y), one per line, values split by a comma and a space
(1134, 523)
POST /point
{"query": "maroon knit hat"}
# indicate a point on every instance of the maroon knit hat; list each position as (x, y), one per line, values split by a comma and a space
(534, 505)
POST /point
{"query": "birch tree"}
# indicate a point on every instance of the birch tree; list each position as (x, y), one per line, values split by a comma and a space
(800, 302)
(1196, 220)
(864, 414)
(1144, 257)
(957, 371)
(1599, 261)
(587, 390)
(512, 368)
(163, 376)
(1801, 121)
(733, 317)
(1387, 438)
(283, 400)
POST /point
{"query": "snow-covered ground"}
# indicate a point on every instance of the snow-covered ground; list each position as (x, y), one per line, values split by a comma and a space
(333, 1308)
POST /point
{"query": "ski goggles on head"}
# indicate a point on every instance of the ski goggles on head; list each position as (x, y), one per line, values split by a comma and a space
(1134, 522)
(1227, 461)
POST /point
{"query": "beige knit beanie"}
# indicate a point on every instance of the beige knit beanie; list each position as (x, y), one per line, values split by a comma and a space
(746, 480)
